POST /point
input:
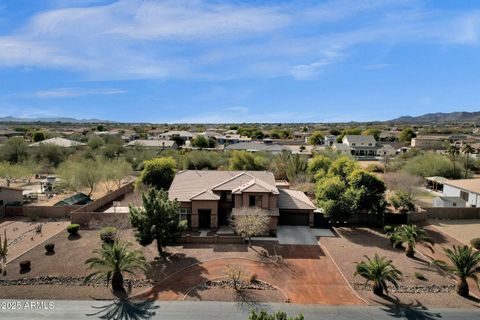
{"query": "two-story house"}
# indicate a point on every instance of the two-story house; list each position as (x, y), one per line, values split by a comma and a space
(208, 198)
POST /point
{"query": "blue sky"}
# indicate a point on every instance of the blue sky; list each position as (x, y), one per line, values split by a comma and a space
(238, 61)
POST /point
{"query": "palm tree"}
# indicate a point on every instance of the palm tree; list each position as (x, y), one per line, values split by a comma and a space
(111, 260)
(465, 264)
(411, 235)
(467, 150)
(378, 270)
(453, 152)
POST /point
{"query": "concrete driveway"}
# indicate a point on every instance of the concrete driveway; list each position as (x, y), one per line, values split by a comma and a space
(295, 235)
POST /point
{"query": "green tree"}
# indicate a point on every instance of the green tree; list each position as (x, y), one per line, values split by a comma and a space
(15, 150)
(201, 160)
(156, 220)
(279, 163)
(367, 192)
(402, 200)
(465, 263)
(48, 155)
(296, 167)
(263, 315)
(430, 164)
(411, 235)
(243, 160)
(318, 166)
(379, 271)
(372, 132)
(95, 142)
(111, 261)
(81, 175)
(407, 135)
(342, 167)
(330, 196)
(159, 172)
(200, 142)
(316, 138)
(38, 136)
(453, 153)
(467, 151)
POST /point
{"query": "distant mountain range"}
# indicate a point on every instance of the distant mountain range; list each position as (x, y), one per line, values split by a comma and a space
(53, 119)
(440, 117)
(437, 117)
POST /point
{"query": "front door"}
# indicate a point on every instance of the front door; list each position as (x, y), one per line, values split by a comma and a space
(204, 218)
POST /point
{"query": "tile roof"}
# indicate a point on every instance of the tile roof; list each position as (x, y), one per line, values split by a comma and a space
(471, 185)
(61, 142)
(190, 183)
(294, 199)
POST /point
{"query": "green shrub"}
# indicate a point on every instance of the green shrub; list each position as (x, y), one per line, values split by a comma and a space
(32, 217)
(73, 229)
(50, 247)
(108, 234)
(25, 265)
(475, 242)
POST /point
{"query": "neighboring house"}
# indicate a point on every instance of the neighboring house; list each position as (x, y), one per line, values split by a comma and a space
(330, 140)
(452, 190)
(256, 146)
(447, 202)
(361, 146)
(10, 195)
(208, 199)
(60, 142)
(185, 135)
(442, 141)
(228, 139)
(162, 144)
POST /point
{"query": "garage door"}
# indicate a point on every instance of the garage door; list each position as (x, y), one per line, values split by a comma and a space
(293, 218)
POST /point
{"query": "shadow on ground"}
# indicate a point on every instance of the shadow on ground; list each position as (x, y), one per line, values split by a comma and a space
(125, 309)
(411, 311)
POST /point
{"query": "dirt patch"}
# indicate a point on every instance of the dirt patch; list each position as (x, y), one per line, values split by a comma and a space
(354, 243)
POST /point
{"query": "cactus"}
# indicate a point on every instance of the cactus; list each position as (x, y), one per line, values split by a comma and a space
(3, 250)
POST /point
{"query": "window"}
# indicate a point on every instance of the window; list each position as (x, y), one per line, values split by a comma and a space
(464, 195)
(226, 196)
(183, 214)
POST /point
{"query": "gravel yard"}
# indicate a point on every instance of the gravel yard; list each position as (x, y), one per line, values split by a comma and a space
(435, 290)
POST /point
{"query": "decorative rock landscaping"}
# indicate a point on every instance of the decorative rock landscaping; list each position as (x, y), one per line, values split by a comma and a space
(409, 288)
(242, 285)
(69, 281)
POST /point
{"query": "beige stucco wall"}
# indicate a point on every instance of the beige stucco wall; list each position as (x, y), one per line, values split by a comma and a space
(205, 204)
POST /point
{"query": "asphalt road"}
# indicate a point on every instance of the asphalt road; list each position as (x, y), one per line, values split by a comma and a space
(184, 310)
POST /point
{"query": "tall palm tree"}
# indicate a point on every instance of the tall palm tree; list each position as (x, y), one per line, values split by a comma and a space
(411, 235)
(465, 264)
(378, 270)
(112, 260)
(467, 150)
(453, 152)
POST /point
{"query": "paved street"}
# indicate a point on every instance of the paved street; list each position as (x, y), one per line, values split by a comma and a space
(73, 310)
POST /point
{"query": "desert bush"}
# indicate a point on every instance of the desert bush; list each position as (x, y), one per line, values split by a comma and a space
(374, 167)
(25, 265)
(475, 242)
(50, 247)
(108, 234)
(420, 276)
(253, 277)
(235, 274)
(73, 229)
(32, 217)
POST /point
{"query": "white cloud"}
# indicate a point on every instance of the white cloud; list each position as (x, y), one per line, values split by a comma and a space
(70, 93)
(193, 39)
